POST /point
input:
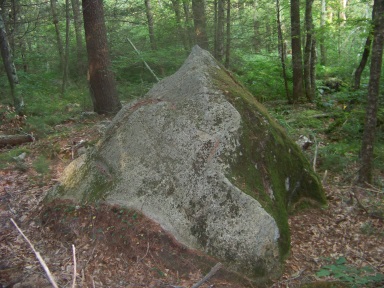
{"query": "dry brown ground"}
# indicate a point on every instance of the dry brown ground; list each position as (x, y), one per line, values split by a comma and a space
(121, 248)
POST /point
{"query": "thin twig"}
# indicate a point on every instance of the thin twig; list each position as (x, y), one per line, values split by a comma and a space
(146, 253)
(145, 63)
(38, 256)
(209, 275)
(74, 266)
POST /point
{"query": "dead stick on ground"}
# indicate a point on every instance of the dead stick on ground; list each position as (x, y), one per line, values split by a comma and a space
(74, 266)
(209, 275)
(38, 256)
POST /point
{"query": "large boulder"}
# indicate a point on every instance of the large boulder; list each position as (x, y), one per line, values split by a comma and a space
(201, 156)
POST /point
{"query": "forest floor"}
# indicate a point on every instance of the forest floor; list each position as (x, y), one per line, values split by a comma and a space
(121, 248)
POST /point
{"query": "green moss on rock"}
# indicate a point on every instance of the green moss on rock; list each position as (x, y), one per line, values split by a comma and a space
(270, 167)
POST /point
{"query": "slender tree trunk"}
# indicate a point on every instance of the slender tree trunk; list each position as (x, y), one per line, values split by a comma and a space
(77, 21)
(256, 28)
(297, 61)
(343, 16)
(309, 91)
(151, 29)
(200, 23)
(188, 23)
(180, 29)
(228, 38)
(66, 56)
(366, 170)
(220, 31)
(323, 51)
(313, 68)
(59, 43)
(215, 29)
(101, 79)
(282, 51)
(363, 61)
(9, 67)
(364, 58)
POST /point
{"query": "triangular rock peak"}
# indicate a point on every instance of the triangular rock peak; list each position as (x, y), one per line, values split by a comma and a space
(201, 157)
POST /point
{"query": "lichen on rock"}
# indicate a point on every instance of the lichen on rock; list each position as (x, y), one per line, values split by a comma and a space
(202, 158)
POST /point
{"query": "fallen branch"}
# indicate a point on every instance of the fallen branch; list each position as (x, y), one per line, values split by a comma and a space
(38, 256)
(145, 63)
(15, 139)
(208, 276)
(74, 266)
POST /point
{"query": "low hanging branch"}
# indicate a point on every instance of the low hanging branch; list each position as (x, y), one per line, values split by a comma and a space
(146, 65)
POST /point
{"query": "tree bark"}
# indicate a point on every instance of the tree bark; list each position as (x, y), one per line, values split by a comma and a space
(66, 55)
(151, 29)
(77, 21)
(363, 62)
(366, 170)
(9, 67)
(219, 49)
(228, 38)
(309, 90)
(297, 61)
(282, 51)
(102, 81)
(256, 28)
(188, 23)
(200, 23)
(180, 29)
(59, 43)
(323, 51)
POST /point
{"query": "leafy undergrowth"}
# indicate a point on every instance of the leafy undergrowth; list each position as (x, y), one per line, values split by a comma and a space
(341, 246)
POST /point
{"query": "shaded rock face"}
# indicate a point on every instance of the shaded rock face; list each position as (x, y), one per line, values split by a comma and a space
(177, 155)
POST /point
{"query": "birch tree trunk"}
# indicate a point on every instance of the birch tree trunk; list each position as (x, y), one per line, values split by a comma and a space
(77, 22)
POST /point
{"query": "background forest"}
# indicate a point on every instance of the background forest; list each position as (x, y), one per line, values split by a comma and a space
(47, 38)
(254, 39)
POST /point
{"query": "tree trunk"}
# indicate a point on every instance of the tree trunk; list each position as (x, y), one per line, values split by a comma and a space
(343, 16)
(220, 31)
(366, 170)
(363, 62)
(282, 50)
(59, 43)
(9, 67)
(180, 29)
(66, 55)
(256, 28)
(364, 58)
(297, 61)
(151, 29)
(200, 23)
(81, 67)
(188, 23)
(228, 38)
(101, 78)
(323, 51)
(309, 91)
